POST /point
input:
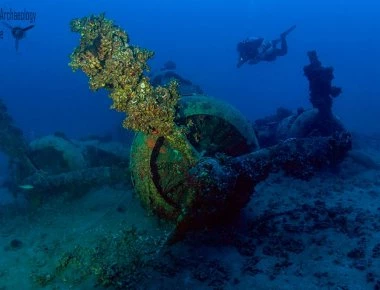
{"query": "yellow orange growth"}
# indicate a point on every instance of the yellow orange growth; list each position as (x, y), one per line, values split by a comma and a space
(106, 57)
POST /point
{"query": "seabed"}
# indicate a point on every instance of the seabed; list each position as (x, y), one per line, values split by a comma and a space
(318, 234)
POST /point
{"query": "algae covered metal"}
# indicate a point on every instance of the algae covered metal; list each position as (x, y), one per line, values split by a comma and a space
(173, 132)
(195, 160)
(161, 175)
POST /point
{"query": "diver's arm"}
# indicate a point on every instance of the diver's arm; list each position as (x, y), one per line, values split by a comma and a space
(241, 61)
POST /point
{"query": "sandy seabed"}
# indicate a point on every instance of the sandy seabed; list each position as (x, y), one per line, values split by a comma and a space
(323, 233)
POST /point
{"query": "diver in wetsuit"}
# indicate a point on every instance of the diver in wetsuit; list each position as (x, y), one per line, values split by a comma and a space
(256, 49)
(18, 33)
(167, 73)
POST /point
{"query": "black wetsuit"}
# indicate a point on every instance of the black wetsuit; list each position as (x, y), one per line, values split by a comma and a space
(254, 50)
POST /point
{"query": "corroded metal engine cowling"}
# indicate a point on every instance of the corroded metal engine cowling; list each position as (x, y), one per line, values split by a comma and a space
(161, 175)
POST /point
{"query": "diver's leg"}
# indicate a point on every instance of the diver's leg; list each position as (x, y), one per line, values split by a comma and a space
(274, 51)
(286, 32)
(284, 47)
(275, 42)
(270, 54)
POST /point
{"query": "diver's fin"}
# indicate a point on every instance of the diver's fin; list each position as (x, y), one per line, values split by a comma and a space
(28, 27)
(286, 32)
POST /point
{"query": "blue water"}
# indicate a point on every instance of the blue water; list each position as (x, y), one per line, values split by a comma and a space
(44, 96)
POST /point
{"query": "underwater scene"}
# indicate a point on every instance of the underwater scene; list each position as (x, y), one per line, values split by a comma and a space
(190, 145)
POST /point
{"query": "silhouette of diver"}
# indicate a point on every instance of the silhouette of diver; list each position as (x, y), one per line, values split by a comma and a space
(256, 49)
(167, 73)
(18, 32)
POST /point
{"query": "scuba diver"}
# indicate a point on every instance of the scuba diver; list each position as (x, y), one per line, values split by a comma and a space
(167, 73)
(256, 49)
(18, 32)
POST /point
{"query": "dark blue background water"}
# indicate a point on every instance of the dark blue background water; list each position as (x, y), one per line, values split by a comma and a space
(44, 96)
